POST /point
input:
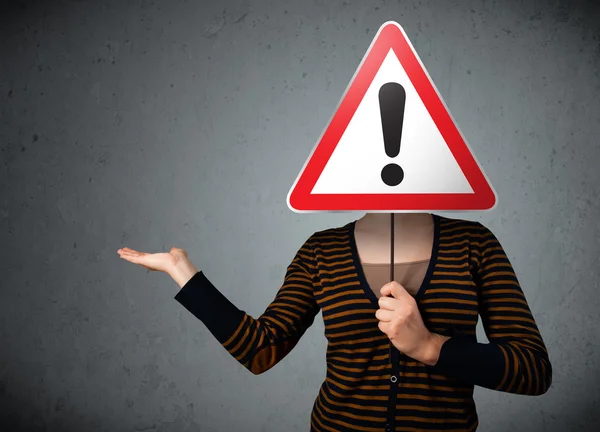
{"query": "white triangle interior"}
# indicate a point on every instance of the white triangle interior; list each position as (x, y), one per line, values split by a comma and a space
(356, 163)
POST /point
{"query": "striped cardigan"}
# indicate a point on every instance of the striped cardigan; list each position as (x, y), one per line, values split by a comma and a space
(469, 275)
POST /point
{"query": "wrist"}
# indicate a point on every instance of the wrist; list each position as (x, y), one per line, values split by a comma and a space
(433, 348)
(182, 272)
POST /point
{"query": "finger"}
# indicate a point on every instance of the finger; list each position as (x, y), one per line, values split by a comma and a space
(388, 303)
(131, 258)
(394, 289)
(133, 251)
(387, 288)
(384, 315)
(127, 254)
(384, 327)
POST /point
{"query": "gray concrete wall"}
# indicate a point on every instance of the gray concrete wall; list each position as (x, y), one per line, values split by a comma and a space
(153, 124)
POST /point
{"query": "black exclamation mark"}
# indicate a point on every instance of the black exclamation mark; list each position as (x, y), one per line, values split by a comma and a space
(392, 99)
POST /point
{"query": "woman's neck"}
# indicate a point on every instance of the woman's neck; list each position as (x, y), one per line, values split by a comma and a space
(378, 222)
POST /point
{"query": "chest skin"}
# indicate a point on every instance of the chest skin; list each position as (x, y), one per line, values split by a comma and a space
(411, 244)
(412, 252)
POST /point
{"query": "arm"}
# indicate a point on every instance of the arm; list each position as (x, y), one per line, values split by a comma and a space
(516, 359)
(258, 344)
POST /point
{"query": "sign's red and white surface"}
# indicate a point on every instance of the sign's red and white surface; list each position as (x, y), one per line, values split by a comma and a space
(428, 160)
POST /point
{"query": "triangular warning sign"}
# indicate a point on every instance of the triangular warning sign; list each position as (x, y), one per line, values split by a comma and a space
(392, 144)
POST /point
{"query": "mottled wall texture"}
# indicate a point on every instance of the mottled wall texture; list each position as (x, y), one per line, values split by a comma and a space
(152, 124)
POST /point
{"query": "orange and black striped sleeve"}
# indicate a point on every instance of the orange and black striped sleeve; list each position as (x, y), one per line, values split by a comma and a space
(516, 359)
(258, 344)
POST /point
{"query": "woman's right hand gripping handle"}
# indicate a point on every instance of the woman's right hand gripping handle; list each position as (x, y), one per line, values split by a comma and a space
(258, 344)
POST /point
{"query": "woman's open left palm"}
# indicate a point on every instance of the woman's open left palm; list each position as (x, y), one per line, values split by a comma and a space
(161, 261)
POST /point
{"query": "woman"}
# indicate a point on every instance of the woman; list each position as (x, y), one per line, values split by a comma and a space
(401, 355)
